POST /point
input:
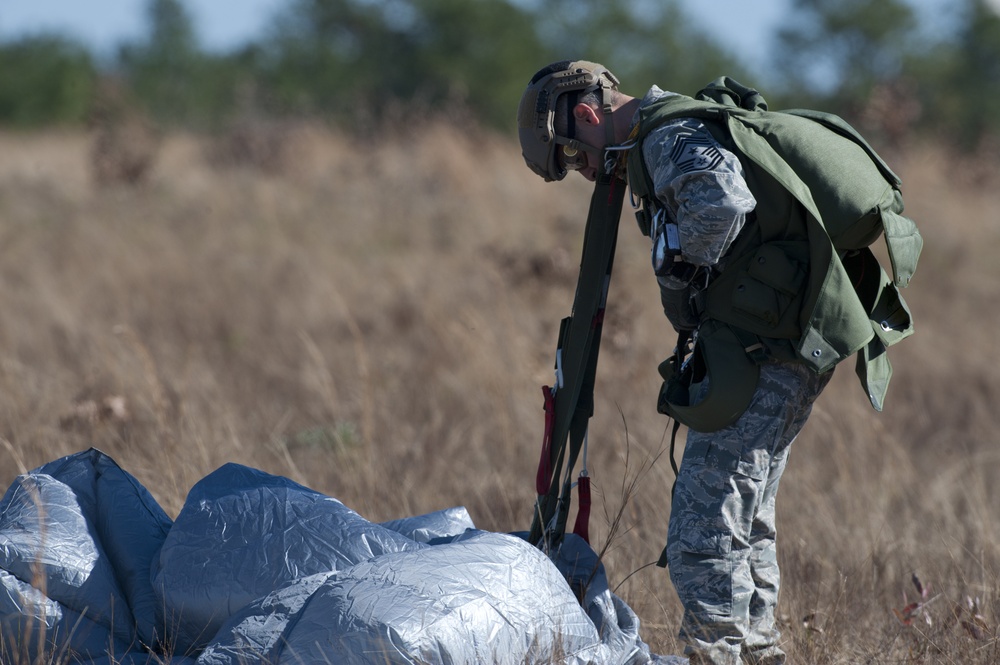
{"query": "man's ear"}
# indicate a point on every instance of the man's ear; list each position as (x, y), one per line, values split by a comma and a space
(586, 114)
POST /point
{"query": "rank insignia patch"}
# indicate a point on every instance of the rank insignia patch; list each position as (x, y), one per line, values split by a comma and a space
(692, 153)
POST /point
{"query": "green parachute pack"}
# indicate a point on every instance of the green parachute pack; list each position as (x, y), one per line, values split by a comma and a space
(800, 282)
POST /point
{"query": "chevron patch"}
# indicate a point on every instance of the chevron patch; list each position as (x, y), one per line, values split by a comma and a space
(694, 153)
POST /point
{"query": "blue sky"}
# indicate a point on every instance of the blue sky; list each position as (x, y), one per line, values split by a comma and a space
(102, 24)
(223, 24)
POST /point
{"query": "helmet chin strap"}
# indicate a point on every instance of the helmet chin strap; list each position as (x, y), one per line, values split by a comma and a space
(609, 124)
(609, 127)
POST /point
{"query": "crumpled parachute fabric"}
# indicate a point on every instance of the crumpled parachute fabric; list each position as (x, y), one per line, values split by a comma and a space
(257, 569)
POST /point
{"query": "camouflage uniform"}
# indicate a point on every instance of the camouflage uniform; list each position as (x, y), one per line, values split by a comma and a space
(721, 537)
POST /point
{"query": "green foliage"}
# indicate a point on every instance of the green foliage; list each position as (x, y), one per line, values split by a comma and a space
(355, 61)
(317, 58)
(175, 81)
(360, 62)
(643, 43)
(161, 69)
(45, 80)
(352, 58)
(477, 52)
(833, 52)
(961, 79)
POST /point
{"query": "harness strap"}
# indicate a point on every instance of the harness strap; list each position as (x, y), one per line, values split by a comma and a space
(673, 460)
(579, 343)
(662, 560)
(582, 525)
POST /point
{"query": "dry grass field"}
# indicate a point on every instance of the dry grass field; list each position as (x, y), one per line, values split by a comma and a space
(375, 319)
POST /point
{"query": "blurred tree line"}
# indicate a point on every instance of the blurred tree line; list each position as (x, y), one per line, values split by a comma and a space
(359, 62)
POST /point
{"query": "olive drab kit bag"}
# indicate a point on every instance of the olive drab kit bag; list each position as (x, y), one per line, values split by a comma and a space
(800, 282)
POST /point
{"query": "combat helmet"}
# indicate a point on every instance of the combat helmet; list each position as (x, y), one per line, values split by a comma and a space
(536, 113)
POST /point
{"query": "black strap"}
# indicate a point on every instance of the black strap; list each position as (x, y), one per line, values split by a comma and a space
(662, 560)
(579, 343)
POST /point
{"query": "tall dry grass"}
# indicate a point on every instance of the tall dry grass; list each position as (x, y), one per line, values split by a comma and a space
(376, 320)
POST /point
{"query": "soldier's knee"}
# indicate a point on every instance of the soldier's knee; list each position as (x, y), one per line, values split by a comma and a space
(701, 571)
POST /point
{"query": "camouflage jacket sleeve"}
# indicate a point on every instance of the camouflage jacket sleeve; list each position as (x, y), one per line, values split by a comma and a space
(702, 186)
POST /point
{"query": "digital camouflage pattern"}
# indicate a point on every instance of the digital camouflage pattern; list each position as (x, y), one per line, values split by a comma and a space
(721, 537)
(701, 185)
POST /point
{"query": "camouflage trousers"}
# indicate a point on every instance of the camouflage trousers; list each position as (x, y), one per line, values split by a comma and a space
(721, 538)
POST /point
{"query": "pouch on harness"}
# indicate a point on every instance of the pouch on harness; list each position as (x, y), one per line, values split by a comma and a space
(800, 282)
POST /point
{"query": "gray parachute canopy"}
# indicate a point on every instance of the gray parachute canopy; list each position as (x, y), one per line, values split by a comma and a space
(258, 569)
